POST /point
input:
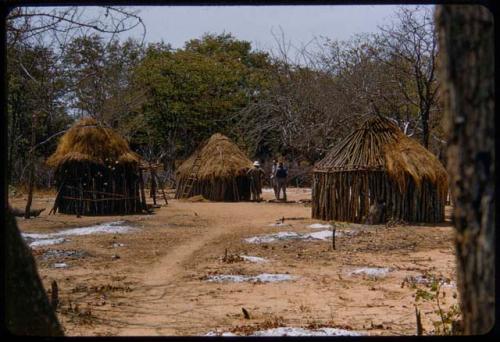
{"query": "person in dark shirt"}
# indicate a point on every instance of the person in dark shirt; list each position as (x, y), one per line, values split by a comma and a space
(281, 179)
(274, 183)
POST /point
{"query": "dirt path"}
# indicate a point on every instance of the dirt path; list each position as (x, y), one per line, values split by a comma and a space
(159, 309)
(158, 282)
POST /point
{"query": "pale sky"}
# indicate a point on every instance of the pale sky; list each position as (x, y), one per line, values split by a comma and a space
(177, 24)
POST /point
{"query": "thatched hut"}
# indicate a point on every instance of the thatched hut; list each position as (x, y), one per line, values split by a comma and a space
(216, 170)
(96, 172)
(378, 163)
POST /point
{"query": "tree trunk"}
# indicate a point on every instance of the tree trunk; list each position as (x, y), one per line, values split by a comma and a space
(31, 180)
(425, 128)
(467, 75)
(27, 307)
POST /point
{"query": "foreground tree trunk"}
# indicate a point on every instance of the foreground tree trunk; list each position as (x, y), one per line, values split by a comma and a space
(467, 75)
(27, 308)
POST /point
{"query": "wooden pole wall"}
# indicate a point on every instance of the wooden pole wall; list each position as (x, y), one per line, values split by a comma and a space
(348, 195)
(219, 189)
(91, 189)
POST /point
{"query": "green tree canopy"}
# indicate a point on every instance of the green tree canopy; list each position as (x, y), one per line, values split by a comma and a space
(194, 92)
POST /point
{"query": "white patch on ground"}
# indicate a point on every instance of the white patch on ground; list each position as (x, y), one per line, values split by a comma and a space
(215, 333)
(372, 271)
(320, 226)
(118, 244)
(267, 277)
(267, 190)
(264, 278)
(60, 265)
(116, 227)
(279, 224)
(47, 242)
(253, 259)
(272, 237)
(321, 235)
(291, 331)
(452, 284)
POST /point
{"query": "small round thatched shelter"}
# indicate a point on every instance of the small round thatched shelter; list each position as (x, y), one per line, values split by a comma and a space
(379, 163)
(96, 172)
(216, 170)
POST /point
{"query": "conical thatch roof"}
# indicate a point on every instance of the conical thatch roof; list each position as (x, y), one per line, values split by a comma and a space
(380, 145)
(88, 141)
(220, 158)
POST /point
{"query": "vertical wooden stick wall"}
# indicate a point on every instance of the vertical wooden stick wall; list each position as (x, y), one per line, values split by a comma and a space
(348, 195)
(230, 189)
(98, 190)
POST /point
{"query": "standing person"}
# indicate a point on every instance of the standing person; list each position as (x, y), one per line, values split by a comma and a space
(152, 192)
(256, 175)
(281, 179)
(274, 184)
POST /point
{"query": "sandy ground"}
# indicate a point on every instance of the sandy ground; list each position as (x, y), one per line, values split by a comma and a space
(156, 282)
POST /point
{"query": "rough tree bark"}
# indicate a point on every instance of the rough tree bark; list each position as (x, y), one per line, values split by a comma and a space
(467, 75)
(27, 308)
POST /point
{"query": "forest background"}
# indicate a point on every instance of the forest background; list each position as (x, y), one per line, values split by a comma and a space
(294, 106)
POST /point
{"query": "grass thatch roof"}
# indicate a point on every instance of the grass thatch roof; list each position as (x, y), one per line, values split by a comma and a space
(220, 158)
(88, 141)
(379, 144)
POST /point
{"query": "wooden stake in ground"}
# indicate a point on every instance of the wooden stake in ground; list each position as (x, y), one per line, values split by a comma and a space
(333, 237)
(245, 313)
(420, 329)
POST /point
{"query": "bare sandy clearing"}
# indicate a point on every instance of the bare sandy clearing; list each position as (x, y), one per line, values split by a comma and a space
(152, 281)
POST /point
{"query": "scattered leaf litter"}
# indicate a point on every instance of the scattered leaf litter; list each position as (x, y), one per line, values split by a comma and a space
(63, 254)
(427, 281)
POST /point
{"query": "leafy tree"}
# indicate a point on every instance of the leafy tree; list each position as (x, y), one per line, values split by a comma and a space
(98, 77)
(198, 90)
(37, 92)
